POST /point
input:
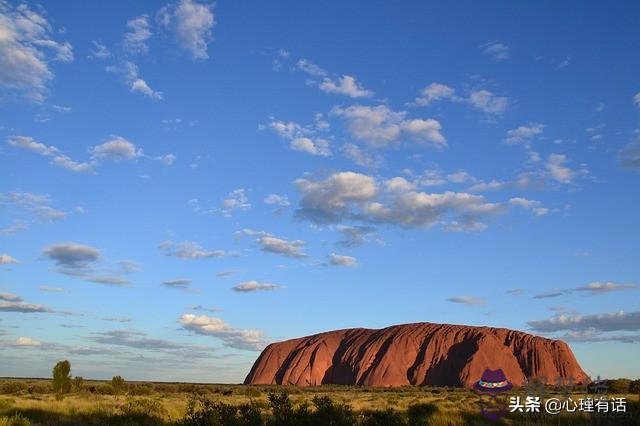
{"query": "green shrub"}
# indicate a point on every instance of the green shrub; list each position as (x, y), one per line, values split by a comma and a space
(62, 378)
(118, 385)
(78, 383)
(420, 413)
(39, 387)
(328, 412)
(388, 417)
(201, 411)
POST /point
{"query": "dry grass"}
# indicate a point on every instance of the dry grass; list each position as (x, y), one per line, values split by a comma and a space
(167, 403)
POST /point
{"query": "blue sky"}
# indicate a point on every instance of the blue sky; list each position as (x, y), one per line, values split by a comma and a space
(181, 184)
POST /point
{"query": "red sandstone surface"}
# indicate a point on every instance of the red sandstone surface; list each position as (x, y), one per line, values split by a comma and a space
(414, 354)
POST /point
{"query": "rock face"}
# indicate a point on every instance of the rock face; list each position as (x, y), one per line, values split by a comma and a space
(414, 354)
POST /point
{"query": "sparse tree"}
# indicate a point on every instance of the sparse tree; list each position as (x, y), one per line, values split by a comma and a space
(62, 378)
(78, 383)
(118, 384)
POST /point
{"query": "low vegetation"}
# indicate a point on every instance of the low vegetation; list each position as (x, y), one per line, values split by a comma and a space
(78, 401)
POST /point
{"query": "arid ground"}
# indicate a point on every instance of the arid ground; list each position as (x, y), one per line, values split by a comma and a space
(26, 402)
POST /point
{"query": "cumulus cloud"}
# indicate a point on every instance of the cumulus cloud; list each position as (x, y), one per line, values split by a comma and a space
(232, 337)
(480, 99)
(235, 200)
(436, 92)
(27, 341)
(188, 250)
(167, 159)
(629, 156)
(58, 157)
(138, 32)
(380, 127)
(636, 99)
(253, 285)
(616, 321)
(497, 50)
(278, 200)
(354, 196)
(556, 165)
(361, 157)
(524, 134)
(27, 49)
(116, 149)
(5, 259)
(342, 260)
(600, 287)
(131, 75)
(354, 236)
(488, 102)
(192, 24)
(467, 300)
(301, 138)
(534, 206)
(290, 248)
(345, 85)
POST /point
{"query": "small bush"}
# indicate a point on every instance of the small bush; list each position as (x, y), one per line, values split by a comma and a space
(6, 403)
(15, 420)
(13, 387)
(62, 378)
(419, 414)
(118, 385)
(78, 383)
(388, 417)
(201, 411)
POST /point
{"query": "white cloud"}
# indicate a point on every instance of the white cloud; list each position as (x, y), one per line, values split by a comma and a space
(617, 321)
(167, 159)
(600, 287)
(345, 85)
(72, 254)
(330, 199)
(436, 92)
(36, 205)
(26, 52)
(279, 200)
(379, 126)
(253, 285)
(100, 50)
(135, 39)
(488, 102)
(177, 283)
(48, 289)
(636, 99)
(129, 71)
(310, 68)
(354, 196)
(302, 138)
(355, 236)
(235, 200)
(192, 24)
(496, 50)
(629, 156)
(534, 206)
(116, 149)
(232, 337)
(188, 250)
(467, 300)
(523, 134)
(361, 157)
(558, 170)
(58, 158)
(27, 341)
(290, 248)
(5, 259)
(342, 260)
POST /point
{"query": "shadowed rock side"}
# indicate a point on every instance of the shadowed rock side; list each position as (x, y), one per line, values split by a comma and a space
(414, 354)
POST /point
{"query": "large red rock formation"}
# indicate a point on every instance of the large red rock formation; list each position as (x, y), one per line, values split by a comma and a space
(414, 354)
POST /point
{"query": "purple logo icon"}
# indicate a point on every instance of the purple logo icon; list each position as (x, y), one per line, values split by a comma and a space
(492, 386)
